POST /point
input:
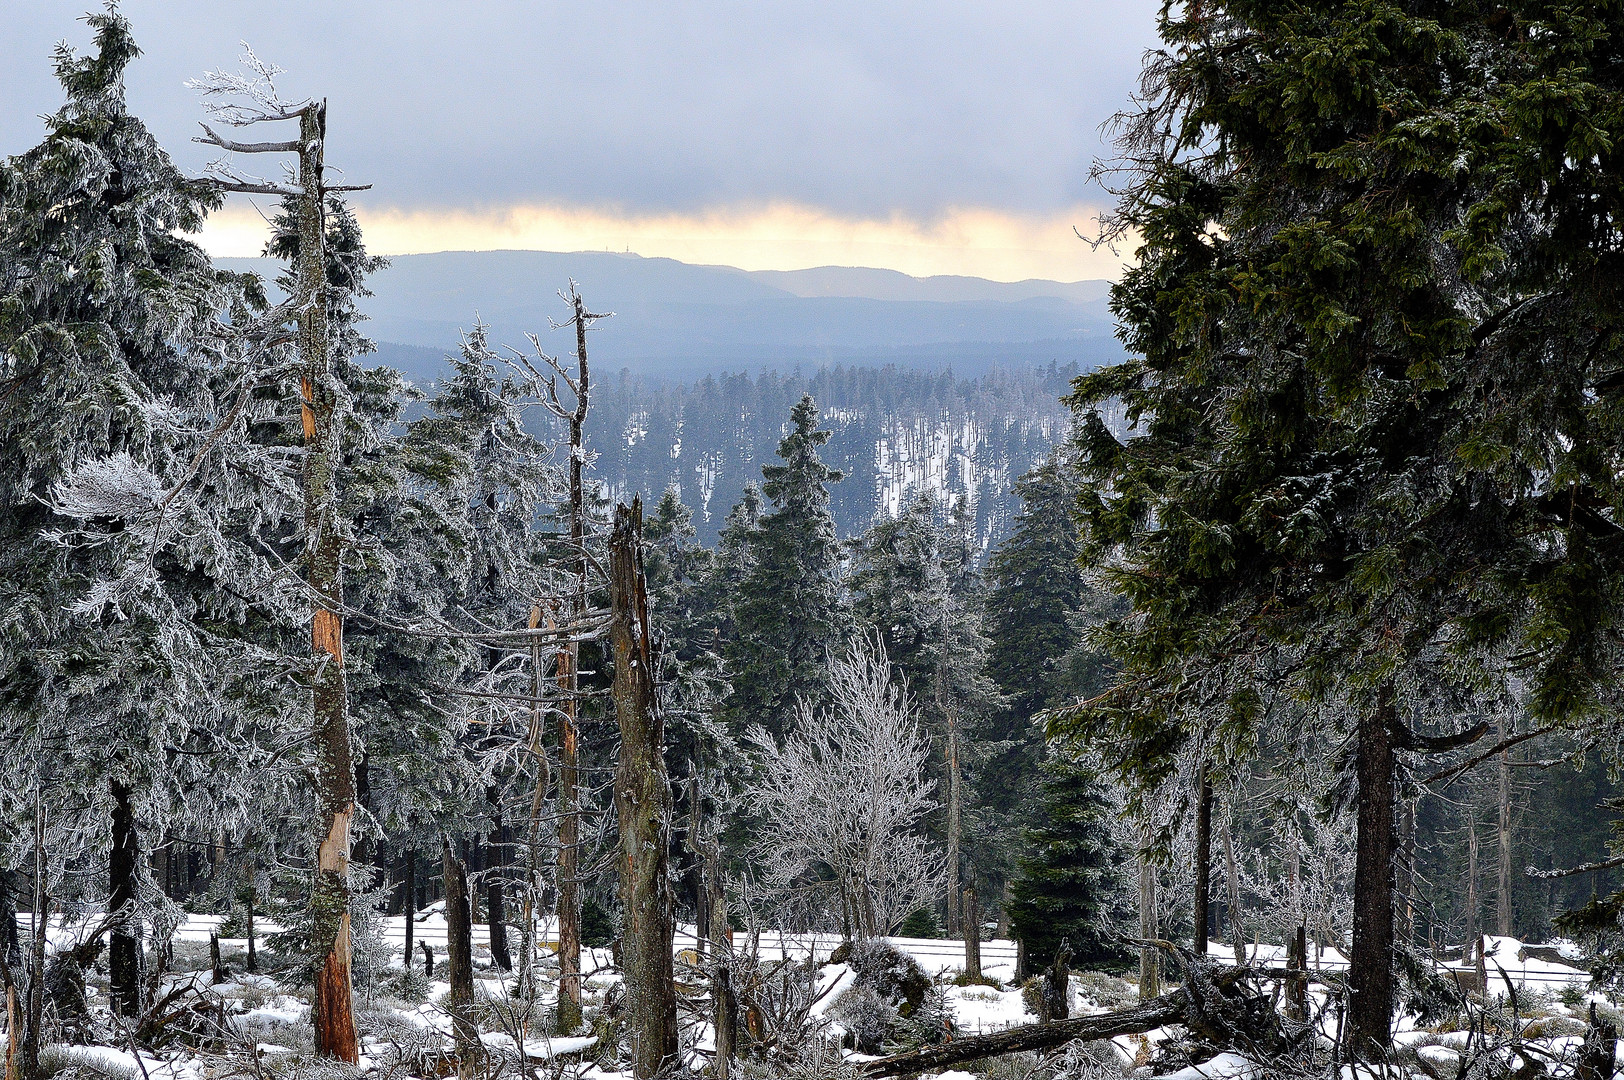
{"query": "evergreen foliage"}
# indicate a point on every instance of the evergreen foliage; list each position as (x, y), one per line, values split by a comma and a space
(789, 616)
(1072, 874)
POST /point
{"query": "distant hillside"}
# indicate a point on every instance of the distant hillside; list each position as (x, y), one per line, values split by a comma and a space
(947, 384)
(679, 320)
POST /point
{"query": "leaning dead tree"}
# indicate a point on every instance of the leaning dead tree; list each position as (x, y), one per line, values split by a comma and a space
(242, 101)
(642, 806)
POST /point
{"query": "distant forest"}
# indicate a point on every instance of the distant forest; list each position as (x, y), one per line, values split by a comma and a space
(896, 431)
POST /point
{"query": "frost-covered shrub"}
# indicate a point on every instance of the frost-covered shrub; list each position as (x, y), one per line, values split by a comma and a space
(1105, 991)
(889, 972)
(60, 1062)
(866, 1016)
(1095, 1060)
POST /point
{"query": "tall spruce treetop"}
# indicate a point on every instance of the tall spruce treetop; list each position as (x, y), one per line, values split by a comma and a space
(1035, 588)
(1313, 284)
(788, 614)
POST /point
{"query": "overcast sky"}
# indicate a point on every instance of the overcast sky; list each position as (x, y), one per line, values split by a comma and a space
(785, 130)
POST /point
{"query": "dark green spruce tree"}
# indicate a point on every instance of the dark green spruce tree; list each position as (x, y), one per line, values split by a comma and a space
(1071, 884)
(788, 616)
(1302, 512)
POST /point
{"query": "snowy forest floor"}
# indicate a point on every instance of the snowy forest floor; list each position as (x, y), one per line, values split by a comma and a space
(258, 1025)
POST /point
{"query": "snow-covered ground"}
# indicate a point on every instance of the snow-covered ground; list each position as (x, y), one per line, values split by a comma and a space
(272, 1024)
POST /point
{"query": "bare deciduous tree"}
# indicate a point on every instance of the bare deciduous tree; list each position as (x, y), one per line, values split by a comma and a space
(845, 793)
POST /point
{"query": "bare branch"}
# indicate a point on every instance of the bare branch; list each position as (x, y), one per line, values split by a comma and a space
(287, 146)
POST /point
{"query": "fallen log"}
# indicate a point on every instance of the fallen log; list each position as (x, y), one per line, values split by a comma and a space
(1155, 1013)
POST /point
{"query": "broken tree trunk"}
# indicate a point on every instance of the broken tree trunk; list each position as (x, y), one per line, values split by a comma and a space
(1599, 1050)
(460, 962)
(1232, 915)
(332, 1011)
(972, 933)
(642, 805)
(1150, 972)
(1158, 1012)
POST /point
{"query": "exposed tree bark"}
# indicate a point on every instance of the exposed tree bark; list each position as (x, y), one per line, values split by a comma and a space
(124, 951)
(249, 896)
(1233, 916)
(460, 962)
(1297, 979)
(428, 959)
(1473, 904)
(696, 851)
(332, 1011)
(1503, 877)
(1370, 973)
(1150, 971)
(972, 933)
(1056, 997)
(725, 1020)
(1154, 1013)
(721, 924)
(643, 807)
(1203, 859)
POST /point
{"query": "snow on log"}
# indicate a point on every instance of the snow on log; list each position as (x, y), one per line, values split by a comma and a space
(1155, 1013)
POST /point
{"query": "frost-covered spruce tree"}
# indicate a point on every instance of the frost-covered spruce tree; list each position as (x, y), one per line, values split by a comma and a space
(108, 390)
(911, 582)
(788, 615)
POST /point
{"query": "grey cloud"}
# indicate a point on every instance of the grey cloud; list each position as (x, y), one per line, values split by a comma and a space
(864, 108)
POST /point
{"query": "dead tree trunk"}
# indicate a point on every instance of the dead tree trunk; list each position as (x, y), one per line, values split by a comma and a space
(972, 933)
(955, 802)
(1233, 916)
(332, 1011)
(725, 1019)
(538, 800)
(1150, 972)
(460, 962)
(248, 915)
(124, 943)
(1370, 973)
(569, 811)
(1472, 902)
(643, 807)
(1203, 859)
(34, 1009)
